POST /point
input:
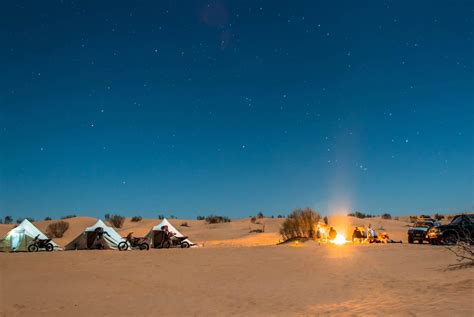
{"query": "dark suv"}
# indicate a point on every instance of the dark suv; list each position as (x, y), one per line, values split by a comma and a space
(461, 228)
(419, 231)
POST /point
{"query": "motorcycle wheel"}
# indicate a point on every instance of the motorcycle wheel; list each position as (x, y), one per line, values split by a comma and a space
(144, 246)
(32, 248)
(123, 246)
(166, 244)
(184, 245)
(49, 247)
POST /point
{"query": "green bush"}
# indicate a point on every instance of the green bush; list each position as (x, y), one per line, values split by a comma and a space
(216, 219)
(200, 218)
(301, 223)
(136, 219)
(47, 218)
(68, 216)
(386, 216)
(57, 229)
(117, 220)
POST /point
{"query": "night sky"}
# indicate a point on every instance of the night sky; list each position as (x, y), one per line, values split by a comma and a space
(189, 108)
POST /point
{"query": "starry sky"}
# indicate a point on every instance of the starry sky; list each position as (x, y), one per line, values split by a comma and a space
(189, 108)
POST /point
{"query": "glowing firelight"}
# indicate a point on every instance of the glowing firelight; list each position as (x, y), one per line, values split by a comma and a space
(340, 239)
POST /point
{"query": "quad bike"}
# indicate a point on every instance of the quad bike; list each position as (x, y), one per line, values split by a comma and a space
(135, 243)
(40, 244)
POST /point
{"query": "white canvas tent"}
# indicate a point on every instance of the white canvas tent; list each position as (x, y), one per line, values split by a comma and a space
(89, 240)
(171, 228)
(20, 237)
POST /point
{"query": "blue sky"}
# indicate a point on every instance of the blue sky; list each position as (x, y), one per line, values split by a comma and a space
(235, 107)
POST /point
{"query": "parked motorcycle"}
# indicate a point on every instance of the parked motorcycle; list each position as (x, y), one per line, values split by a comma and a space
(134, 242)
(176, 242)
(40, 244)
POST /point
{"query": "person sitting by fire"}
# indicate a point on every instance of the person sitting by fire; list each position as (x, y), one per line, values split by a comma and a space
(357, 235)
(372, 235)
(386, 239)
(332, 234)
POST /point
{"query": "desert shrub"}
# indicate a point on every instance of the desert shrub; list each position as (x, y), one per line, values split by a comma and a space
(253, 219)
(360, 215)
(216, 219)
(301, 223)
(184, 224)
(57, 229)
(326, 220)
(280, 216)
(136, 219)
(116, 220)
(47, 218)
(386, 216)
(273, 216)
(161, 217)
(19, 220)
(172, 217)
(8, 220)
(107, 217)
(260, 215)
(438, 217)
(200, 218)
(68, 216)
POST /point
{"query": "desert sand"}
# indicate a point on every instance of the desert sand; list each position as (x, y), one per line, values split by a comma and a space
(238, 273)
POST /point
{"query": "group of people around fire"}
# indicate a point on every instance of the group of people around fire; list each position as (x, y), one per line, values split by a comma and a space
(361, 234)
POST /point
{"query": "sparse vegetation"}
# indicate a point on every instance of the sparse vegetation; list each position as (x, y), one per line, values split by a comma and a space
(57, 229)
(200, 218)
(68, 216)
(280, 216)
(301, 223)
(413, 219)
(136, 219)
(173, 217)
(260, 215)
(19, 220)
(184, 224)
(253, 219)
(107, 217)
(216, 219)
(116, 220)
(8, 220)
(47, 218)
(161, 217)
(386, 216)
(360, 215)
(438, 217)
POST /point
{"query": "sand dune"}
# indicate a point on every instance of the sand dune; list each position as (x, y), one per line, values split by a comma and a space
(237, 272)
(326, 280)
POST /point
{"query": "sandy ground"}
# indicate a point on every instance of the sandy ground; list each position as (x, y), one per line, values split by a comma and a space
(360, 280)
(237, 273)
